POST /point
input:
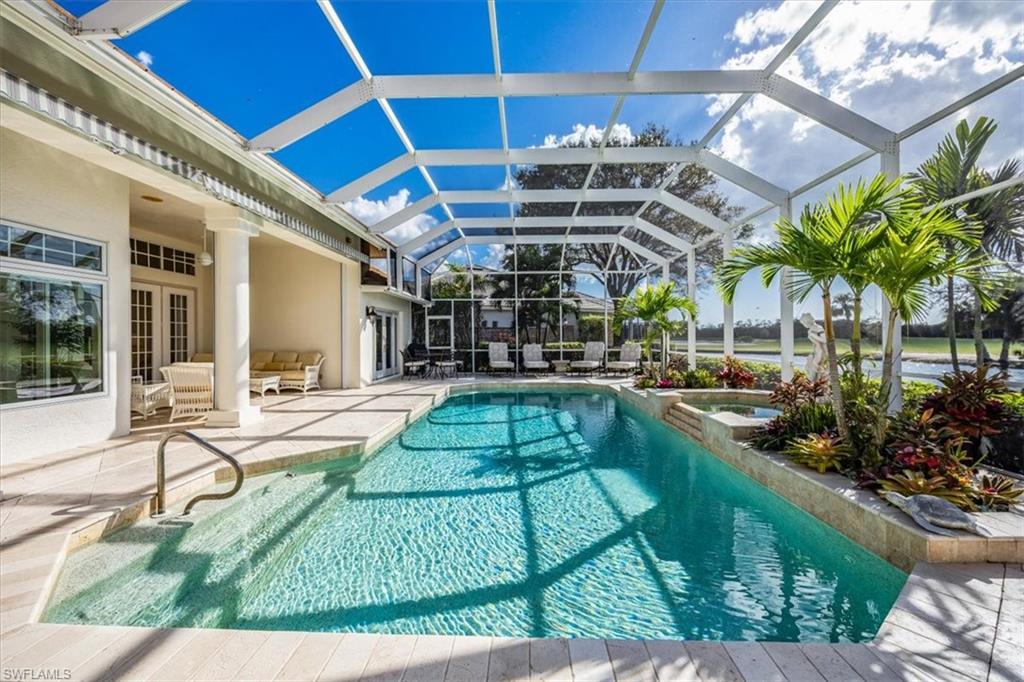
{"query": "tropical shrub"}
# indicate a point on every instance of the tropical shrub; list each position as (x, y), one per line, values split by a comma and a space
(779, 432)
(820, 452)
(970, 403)
(766, 374)
(994, 492)
(789, 395)
(734, 374)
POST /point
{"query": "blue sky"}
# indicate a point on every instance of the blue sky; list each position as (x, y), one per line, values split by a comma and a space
(253, 64)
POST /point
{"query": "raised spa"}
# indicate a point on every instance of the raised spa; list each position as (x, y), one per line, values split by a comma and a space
(515, 514)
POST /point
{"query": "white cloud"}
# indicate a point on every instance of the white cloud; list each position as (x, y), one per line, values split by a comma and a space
(894, 62)
(590, 134)
(371, 212)
(145, 58)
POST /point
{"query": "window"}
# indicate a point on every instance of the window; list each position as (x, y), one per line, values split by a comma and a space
(150, 255)
(24, 243)
(51, 337)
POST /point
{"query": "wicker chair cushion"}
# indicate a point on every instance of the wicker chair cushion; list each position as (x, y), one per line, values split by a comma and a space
(309, 358)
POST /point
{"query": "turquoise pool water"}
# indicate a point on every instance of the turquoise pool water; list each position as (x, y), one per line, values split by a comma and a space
(744, 409)
(515, 514)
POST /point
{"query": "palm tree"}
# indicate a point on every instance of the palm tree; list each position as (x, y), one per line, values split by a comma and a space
(653, 305)
(953, 171)
(831, 242)
(842, 304)
(920, 249)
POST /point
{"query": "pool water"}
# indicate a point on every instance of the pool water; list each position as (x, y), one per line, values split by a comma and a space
(744, 409)
(505, 514)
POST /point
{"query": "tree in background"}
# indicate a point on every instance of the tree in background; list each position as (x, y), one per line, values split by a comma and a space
(694, 184)
(952, 171)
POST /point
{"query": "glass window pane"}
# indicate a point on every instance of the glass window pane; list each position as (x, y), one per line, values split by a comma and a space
(50, 338)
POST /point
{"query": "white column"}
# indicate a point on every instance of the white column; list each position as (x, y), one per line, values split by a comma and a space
(786, 307)
(691, 292)
(891, 167)
(232, 228)
(727, 310)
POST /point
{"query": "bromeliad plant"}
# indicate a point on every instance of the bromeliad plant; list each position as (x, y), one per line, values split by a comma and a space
(820, 452)
(653, 305)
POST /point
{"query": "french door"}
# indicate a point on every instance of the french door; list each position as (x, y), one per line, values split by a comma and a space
(385, 345)
(163, 328)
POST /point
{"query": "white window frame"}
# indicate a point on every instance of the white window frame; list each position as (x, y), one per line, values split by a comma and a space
(101, 277)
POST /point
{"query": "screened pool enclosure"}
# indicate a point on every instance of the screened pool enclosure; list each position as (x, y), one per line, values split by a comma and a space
(536, 242)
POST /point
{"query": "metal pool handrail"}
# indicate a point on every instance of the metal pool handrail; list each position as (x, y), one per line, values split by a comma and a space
(161, 479)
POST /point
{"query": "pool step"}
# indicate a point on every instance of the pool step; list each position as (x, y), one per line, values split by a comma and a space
(684, 420)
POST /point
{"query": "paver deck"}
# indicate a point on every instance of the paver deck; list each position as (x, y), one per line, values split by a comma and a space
(951, 621)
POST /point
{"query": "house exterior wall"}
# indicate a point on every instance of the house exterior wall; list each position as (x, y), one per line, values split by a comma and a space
(296, 303)
(47, 188)
(382, 302)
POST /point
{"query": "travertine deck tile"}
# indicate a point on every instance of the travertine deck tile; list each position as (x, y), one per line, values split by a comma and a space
(590, 662)
(310, 657)
(549, 660)
(429, 659)
(792, 662)
(509, 661)
(753, 662)
(630, 661)
(713, 662)
(389, 658)
(468, 662)
(828, 662)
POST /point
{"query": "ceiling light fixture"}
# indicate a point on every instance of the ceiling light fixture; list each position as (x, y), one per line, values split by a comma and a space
(150, 197)
(205, 259)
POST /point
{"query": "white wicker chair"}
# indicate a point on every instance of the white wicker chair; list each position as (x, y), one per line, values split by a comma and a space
(497, 357)
(533, 358)
(191, 389)
(593, 356)
(306, 378)
(629, 358)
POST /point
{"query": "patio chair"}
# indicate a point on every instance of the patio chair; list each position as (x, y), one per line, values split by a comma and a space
(448, 369)
(411, 367)
(533, 358)
(191, 390)
(304, 373)
(629, 359)
(497, 357)
(593, 356)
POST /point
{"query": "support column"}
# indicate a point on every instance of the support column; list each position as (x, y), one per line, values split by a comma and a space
(786, 306)
(232, 228)
(691, 292)
(891, 167)
(727, 309)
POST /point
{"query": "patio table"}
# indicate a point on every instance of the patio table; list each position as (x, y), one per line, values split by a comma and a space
(261, 383)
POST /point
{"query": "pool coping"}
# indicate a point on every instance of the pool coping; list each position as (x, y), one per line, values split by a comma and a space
(29, 572)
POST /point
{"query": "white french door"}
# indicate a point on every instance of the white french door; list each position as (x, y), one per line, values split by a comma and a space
(163, 328)
(385, 345)
(179, 324)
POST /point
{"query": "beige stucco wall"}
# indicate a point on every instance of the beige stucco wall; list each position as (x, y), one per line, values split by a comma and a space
(201, 283)
(47, 188)
(295, 303)
(382, 302)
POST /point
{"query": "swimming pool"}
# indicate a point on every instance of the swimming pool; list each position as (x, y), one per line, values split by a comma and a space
(512, 514)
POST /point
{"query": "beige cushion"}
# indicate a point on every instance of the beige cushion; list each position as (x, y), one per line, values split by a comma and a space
(273, 366)
(292, 365)
(293, 376)
(286, 356)
(310, 358)
(261, 357)
(202, 357)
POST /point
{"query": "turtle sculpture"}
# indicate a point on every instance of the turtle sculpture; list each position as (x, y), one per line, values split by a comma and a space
(935, 514)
